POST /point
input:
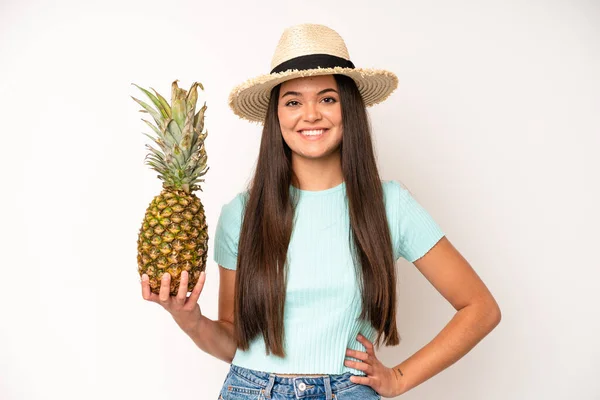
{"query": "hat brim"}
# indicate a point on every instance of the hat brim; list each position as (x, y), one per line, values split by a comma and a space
(250, 99)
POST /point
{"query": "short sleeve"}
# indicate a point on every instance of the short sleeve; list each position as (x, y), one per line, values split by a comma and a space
(414, 231)
(227, 233)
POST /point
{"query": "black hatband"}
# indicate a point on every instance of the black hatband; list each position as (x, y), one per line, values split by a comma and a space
(313, 61)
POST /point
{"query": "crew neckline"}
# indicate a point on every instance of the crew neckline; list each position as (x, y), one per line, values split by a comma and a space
(334, 189)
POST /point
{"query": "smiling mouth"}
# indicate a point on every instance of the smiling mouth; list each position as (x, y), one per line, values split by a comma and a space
(311, 132)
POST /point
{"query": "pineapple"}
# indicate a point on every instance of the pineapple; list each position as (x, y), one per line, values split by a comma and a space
(174, 235)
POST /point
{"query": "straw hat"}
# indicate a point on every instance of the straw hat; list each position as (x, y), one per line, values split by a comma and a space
(308, 50)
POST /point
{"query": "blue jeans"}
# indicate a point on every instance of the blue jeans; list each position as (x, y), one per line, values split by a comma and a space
(243, 383)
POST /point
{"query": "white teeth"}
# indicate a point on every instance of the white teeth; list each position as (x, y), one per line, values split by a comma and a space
(313, 133)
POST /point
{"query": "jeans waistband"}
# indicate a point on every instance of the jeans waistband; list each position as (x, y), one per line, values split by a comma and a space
(307, 385)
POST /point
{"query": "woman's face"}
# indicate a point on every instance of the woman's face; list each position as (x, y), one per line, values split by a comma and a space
(311, 103)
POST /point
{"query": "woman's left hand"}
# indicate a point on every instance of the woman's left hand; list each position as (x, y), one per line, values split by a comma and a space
(381, 378)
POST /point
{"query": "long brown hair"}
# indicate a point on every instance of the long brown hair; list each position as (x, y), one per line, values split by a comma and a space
(267, 227)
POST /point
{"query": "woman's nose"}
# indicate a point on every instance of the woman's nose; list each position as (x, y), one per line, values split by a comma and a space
(311, 111)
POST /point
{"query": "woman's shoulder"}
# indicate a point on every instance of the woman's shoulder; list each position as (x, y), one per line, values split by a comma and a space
(397, 196)
(235, 205)
(394, 188)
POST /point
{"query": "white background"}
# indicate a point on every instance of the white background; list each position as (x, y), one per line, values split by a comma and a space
(495, 129)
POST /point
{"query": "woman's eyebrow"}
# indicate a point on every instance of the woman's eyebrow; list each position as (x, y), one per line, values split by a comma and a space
(292, 93)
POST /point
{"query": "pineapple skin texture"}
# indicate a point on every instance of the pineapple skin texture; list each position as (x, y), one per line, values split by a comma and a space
(173, 237)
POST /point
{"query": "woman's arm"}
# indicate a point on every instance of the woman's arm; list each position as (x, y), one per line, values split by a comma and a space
(214, 338)
(477, 314)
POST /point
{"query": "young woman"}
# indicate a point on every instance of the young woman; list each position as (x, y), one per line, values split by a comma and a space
(307, 253)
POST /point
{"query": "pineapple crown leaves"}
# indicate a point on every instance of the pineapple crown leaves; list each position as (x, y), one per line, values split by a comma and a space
(180, 158)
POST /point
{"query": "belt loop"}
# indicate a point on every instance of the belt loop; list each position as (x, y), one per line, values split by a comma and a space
(269, 385)
(328, 394)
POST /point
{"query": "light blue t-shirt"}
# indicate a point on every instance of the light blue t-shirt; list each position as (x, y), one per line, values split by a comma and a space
(323, 299)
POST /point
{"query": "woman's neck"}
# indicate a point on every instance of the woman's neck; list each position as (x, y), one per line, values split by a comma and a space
(317, 174)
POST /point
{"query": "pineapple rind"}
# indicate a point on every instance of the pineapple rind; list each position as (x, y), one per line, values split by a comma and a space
(173, 237)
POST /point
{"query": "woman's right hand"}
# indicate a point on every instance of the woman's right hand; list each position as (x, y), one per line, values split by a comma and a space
(185, 310)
